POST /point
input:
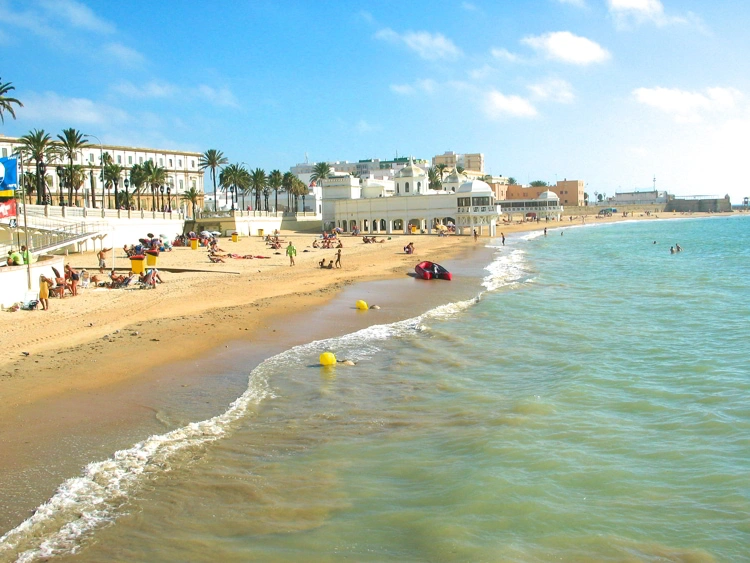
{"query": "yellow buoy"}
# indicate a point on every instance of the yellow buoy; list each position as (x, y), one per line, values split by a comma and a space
(327, 359)
(361, 305)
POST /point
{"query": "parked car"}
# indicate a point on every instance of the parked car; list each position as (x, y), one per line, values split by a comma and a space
(607, 211)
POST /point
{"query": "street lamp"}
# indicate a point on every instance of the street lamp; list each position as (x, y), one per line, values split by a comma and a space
(101, 164)
(41, 194)
(161, 189)
(126, 183)
(169, 198)
(117, 181)
(231, 190)
(61, 182)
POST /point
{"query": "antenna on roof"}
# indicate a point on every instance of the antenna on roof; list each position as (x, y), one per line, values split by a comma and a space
(654, 182)
(306, 162)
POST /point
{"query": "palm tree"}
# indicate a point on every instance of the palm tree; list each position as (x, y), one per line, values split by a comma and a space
(111, 174)
(79, 177)
(300, 189)
(441, 167)
(71, 141)
(257, 183)
(6, 103)
(275, 179)
(287, 184)
(512, 181)
(191, 195)
(242, 182)
(321, 171)
(433, 176)
(38, 146)
(212, 159)
(138, 177)
(460, 169)
(155, 177)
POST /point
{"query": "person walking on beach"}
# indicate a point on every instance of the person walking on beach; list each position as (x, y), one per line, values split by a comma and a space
(44, 284)
(502, 236)
(545, 231)
(338, 259)
(291, 252)
(476, 236)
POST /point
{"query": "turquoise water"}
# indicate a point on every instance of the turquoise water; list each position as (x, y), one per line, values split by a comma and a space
(593, 404)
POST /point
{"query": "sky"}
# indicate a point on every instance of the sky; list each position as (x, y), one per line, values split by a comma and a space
(612, 92)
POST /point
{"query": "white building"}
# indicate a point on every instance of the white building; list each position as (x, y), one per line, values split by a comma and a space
(182, 169)
(407, 206)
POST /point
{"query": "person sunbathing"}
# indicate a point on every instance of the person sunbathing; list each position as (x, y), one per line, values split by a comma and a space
(215, 258)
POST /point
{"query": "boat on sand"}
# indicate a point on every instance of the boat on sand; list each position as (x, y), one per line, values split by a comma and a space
(432, 271)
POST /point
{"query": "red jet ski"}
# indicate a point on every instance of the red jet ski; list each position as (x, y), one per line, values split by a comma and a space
(432, 271)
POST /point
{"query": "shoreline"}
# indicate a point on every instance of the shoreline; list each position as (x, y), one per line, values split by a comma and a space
(43, 403)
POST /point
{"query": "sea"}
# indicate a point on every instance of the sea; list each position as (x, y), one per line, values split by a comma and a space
(578, 396)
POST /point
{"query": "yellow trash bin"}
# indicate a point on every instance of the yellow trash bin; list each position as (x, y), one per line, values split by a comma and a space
(194, 243)
(260, 232)
(136, 264)
(413, 229)
(152, 257)
(235, 237)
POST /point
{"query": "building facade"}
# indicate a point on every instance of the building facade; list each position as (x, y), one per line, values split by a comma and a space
(570, 192)
(473, 163)
(182, 174)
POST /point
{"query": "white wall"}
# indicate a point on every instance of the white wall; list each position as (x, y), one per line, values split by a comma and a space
(14, 280)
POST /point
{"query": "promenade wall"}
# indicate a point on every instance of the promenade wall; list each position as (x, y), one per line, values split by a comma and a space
(14, 280)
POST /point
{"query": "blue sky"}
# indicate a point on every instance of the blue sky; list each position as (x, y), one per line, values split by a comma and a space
(609, 91)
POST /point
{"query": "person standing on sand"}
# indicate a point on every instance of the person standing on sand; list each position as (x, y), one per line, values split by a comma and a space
(291, 252)
(338, 259)
(44, 284)
(545, 231)
(102, 255)
(476, 236)
(502, 236)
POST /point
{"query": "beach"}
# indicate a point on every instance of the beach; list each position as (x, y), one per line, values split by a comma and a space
(94, 365)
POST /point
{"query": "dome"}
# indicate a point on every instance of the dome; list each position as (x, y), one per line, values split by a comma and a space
(455, 177)
(548, 195)
(411, 171)
(474, 186)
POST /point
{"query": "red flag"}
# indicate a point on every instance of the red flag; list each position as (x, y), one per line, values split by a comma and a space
(8, 209)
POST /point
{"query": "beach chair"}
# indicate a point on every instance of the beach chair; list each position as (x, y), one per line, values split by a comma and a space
(84, 279)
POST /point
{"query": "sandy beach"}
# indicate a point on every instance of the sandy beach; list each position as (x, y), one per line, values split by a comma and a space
(63, 369)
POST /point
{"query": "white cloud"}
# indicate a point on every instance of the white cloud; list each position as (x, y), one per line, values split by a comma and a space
(567, 47)
(505, 55)
(426, 85)
(481, 73)
(73, 112)
(641, 11)
(427, 45)
(124, 55)
(218, 96)
(76, 14)
(152, 89)
(367, 16)
(469, 7)
(365, 127)
(554, 90)
(498, 105)
(577, 3)
(686, 106)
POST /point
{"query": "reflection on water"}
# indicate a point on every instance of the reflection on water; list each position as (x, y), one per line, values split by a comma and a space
(484, 432)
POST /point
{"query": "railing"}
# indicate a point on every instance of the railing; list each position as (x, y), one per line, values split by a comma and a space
(239, 213)
(55, 211)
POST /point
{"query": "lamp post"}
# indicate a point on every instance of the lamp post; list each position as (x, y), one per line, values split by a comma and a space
(231, 191)
(169, 198)
(161, 189)
(101, 162)
(41, 194)
(61, 182)
(117, 182)
(126, 183)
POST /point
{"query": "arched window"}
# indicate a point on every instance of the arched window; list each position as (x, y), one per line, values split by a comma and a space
(419, 186)
(406, 188)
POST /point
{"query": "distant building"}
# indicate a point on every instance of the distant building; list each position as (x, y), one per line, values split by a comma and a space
(647, 197)
(182, 169)
(369, 168)
(406, 204)
(570, 192)
(473, 163)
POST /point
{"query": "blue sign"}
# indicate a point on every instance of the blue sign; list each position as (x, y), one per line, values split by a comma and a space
(8, 176)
